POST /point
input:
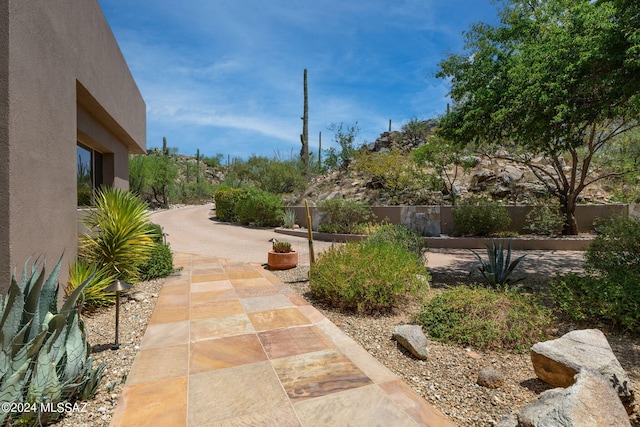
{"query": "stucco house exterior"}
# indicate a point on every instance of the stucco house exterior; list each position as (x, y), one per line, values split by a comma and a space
(67, 97)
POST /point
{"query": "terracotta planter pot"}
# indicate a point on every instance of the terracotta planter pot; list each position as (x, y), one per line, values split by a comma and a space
(282, 261)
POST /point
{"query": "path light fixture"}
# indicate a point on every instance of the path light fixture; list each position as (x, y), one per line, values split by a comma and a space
(117, 286)
(164, 237)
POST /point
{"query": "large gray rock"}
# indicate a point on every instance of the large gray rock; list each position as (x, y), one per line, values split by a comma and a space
(590, 402)
(558, 361)
(413, 339)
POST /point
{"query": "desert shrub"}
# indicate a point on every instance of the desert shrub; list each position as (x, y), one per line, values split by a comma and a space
(281, 177)
(485, 318)
(545, 220)
(389, 168)
(610, 291)
(598, 300)
(366, 277)
(400, 234)
(259, 208)
(155, 232)
(192, 192)
(159, 264)
(343, 216)
(98, 279)
(615, 251)
(475, 217)
(226, 199)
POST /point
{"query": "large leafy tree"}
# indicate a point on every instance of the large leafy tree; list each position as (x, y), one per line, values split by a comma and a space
(555, 78)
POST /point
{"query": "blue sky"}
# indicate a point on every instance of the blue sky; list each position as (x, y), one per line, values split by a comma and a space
(225, 76)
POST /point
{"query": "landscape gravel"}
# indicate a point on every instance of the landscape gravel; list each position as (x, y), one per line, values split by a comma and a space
(447, 379)
(100, 328)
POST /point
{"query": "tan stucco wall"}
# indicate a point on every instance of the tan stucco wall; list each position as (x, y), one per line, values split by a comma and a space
(4, 140)
(60, 54)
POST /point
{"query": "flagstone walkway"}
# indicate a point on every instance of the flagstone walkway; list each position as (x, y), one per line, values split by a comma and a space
(229, 345)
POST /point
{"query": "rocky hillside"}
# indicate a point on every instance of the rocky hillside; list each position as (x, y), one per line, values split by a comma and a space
(489, 177)
(498, 179)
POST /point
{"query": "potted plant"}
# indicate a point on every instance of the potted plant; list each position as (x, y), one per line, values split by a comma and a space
(282, 257)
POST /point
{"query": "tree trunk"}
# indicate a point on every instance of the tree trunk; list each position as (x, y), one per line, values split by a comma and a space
(568, 208)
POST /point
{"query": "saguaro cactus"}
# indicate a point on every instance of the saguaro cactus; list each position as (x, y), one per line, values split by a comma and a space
(304, 137)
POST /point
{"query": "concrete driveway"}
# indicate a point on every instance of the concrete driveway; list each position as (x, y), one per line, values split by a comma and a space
(193, 230)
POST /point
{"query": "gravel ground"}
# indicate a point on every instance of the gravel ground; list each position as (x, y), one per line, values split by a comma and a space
(447, 379)
(100, 327)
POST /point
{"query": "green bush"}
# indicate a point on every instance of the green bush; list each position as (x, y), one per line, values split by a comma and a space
(475, 217)
(366, 277)
(260, 208)
(226, 199)
(159, 264)
(192, 192)
(400, 234)
(156, 232)
(343, 216)
(545, 220)
(485, 319)
(282, 177)
(610, 291)
(598, 299)
(615, 251)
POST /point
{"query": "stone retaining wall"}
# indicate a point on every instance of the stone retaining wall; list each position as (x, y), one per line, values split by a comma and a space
(434, 221)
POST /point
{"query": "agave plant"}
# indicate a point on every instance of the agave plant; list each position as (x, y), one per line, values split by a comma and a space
(119, 235)
(497, 270)
(44, 357)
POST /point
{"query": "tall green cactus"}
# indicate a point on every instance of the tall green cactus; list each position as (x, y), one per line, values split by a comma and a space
(198, 165)
(304, 136)
(44, 356)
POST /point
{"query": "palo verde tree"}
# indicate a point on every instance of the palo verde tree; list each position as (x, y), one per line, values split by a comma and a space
(555, 78)
(447, 160)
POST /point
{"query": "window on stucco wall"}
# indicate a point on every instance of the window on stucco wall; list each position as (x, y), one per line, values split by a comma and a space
(88, 172)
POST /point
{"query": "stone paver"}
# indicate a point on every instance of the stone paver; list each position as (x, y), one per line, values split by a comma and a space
(230, 345)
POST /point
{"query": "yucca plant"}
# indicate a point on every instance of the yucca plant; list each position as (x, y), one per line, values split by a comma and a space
(44, 357)
(98, 280)
(497, 270)
(119, 236)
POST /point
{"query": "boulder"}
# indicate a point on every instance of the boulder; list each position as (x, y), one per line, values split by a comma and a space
(490, 378)
(558, 361)
(510, 420)
(413, 339)
(483, 175)
(590, 402)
